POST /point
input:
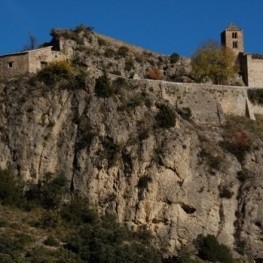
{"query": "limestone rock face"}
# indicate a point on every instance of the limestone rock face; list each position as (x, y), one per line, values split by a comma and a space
(178, 181)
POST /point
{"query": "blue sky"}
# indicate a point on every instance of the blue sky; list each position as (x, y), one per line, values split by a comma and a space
(163, 26)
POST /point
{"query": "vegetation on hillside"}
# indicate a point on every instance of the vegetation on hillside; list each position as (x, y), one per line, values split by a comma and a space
(36, 226)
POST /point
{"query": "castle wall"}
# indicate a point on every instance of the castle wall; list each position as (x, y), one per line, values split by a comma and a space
(208, 103)
(254, 67)
(13, 65)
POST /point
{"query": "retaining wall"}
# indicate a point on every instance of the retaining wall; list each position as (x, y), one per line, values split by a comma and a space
(208, 103)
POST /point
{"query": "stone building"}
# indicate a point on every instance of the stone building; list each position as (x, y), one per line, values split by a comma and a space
(251, 65)
(28, 61)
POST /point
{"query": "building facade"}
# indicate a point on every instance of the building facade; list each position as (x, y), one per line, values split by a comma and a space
(251, 65)
(28, 61)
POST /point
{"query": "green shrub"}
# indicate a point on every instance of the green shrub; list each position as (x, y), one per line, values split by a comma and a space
(51, 241)
(243, 175)
(165, 117)
(83, 28)
(174, 57)
(103, 87)
(139, 59)
(255, 96)
(119, 83)
(129, 65)
(41, 254)
(136, 100)
(9, 249)
(185, 255)
(55, 71)
(78, 81)
(78, 212)
(10, 189)
(225, 192)
(101, 42)
(49, 219)
(239, 145)
(109, 53)
(210, 249)
(107, 241)
(52, 190)
(211, 157)
(123, 51)
(110, 151)
(85, 134)
(48, 192)
(238, 123)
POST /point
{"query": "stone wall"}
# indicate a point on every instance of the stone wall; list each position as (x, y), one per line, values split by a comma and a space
(13, 65)
(39, 58)
(254, 71)
(208, 103)
(28, 62)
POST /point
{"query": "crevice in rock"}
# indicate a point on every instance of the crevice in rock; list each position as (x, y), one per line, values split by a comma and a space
(40, 159)
(222, 218)
(188, 208)
(240, 243)
(127, 163)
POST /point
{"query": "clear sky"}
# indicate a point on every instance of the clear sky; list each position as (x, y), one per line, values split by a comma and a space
(164, 26)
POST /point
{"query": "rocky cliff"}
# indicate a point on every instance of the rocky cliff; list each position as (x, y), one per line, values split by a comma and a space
(133, 154)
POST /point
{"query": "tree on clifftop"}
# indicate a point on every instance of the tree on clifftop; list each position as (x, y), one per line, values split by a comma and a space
(212, 62)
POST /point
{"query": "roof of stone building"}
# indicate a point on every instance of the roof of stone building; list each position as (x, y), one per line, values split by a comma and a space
(233, 27)
(24, 52)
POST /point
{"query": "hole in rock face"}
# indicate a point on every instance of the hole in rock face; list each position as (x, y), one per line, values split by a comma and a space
(188, 209)
(258, 223)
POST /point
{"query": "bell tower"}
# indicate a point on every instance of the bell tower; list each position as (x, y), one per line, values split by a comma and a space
(232, 38)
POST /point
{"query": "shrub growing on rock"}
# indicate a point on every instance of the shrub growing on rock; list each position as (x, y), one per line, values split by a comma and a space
(10, 189)
(154, 73)
(174, 57)
(55, 71)
(103, 87)
(210, 249)
(239, 145)
(165, 117)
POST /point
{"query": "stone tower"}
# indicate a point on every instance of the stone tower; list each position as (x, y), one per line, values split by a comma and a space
(232, 38)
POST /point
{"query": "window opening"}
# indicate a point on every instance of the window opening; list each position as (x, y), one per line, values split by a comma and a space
(43, 64)
(10, 64)
(235, 44)
(234, 35)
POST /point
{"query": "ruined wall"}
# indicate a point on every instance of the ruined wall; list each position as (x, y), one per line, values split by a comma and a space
(13, 65)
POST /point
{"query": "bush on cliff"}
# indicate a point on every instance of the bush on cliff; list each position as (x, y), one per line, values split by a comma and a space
(48, 192)
(165, 117)
(55, 71)
(107, 241)
(103, 87)
(10, 189)
(210, 249)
